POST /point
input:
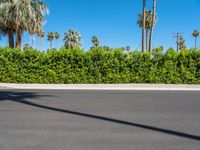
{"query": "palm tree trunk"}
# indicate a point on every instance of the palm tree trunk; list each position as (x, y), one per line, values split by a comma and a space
(147, 38)
(144, 24)
(11, 38)
(152, 26)
(19, 39)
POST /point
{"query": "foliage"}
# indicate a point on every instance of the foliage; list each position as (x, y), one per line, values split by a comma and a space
(95, 41)
(196, 34)
(50, 38)
(72, 39)
(17, 16)
(181, 43)
(98, 65)
(148, 23)
(56, 35)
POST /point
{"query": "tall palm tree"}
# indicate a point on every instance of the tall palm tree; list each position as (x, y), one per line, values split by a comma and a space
(95, 41)
(33, 31)
(56, 36)
(8, 18)
(153, 24)
(72, 39)
(147, 24)
(18, 15)
(12, 14)
(50, 38)
(143, 25)
(196, 34)
(40, 9)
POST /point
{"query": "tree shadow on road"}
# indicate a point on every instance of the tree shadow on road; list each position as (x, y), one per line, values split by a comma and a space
(22, 97)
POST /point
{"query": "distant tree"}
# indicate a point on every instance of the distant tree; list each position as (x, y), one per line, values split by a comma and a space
(50, 38)
(57, 36)
(196, 34)
(107, 48)
(128, 49)
(181, 43)
(72, 39)
(95, 41)
(41, 35)
(26, 46)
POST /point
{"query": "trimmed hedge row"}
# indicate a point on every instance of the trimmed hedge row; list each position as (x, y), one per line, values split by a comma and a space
(99, 65)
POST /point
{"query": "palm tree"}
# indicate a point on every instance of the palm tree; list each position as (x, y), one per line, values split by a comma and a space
(41, 35)
(36, 23)
(72, 39)
(57, 36)
(32, 33)
(17, 16)
(153, 24)
(50, 38)
(95, 41)
(181, 43)
(9, 33)
(196, 34)
(40, 9)
(143, 25)
(8, 18)
(147, 24)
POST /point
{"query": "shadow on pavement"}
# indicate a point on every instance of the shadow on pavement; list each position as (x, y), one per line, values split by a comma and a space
(21, 97)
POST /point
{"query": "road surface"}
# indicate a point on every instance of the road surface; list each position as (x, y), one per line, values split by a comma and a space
(99, 120)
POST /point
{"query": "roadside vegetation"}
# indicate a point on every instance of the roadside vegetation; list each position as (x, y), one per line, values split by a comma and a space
(100, 64)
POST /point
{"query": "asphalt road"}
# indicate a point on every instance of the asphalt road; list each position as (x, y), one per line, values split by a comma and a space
(99, 120)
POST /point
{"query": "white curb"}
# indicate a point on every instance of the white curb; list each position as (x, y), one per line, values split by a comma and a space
(146, 87)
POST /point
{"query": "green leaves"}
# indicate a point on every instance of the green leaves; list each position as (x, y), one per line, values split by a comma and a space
(73, 66)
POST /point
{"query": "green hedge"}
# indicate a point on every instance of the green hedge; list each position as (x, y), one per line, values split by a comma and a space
(99, 65)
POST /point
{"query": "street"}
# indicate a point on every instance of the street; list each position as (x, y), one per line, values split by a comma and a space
(99, 120)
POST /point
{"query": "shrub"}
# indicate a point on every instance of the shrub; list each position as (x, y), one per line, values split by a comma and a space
(99, 65)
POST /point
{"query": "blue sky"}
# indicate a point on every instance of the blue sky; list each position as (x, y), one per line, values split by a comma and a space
(114, 21)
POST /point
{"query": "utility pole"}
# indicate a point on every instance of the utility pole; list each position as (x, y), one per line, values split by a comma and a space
(177, 35)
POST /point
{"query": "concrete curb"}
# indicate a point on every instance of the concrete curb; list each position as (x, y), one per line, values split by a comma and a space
(146, 87)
